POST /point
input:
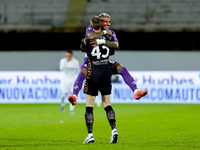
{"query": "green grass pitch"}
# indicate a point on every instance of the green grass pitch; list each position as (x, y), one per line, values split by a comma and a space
(140, 127)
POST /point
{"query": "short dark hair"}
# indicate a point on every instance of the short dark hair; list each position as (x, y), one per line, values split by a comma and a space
(95, 22)
(69, 51)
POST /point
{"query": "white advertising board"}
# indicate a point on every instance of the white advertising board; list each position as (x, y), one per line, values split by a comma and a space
(44, 87)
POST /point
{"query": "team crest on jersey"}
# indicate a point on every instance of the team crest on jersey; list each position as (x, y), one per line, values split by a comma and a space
(112, 61)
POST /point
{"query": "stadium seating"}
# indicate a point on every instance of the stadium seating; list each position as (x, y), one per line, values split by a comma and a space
(33, 12)
(126, 14)
(146, 13)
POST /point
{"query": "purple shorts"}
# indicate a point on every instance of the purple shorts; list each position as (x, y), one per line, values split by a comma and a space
(84, 65)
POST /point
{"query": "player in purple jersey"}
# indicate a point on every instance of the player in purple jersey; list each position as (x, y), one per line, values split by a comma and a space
(116, 68)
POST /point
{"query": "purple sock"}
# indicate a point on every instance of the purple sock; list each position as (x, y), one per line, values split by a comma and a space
(78, 83)
(128, 79)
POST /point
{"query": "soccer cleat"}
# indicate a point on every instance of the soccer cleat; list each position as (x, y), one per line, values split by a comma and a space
(114, 136)
(72, 99)
(140, 94)
(89, 139)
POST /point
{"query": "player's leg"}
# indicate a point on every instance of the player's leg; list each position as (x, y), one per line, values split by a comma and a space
(71, 107)
(117, 68)
(63, 102)
(81, 77)
(128, 79)
(79, 81)
(105, 90)
(111, 117)
(89, 119)
(64, 92)
(91, 91)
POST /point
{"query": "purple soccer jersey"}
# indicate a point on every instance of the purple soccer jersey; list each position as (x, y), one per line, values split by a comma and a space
(114, 38)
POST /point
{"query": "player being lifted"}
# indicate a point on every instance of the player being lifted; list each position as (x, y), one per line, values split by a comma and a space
(116, 68)
(98, 79)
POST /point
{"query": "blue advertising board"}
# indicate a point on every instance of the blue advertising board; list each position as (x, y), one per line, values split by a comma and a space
(45, 87)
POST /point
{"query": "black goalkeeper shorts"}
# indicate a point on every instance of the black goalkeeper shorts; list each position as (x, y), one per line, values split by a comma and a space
(92, 88)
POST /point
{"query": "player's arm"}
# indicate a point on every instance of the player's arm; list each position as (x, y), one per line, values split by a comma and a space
(112, 44)
(97, 35)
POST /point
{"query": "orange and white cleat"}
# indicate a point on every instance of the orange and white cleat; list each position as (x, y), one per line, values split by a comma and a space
(72, 99)
(140, 94)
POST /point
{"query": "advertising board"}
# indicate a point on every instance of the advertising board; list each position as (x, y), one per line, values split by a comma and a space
(44, 87)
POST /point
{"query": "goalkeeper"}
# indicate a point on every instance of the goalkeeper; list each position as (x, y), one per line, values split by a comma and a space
(98, 79)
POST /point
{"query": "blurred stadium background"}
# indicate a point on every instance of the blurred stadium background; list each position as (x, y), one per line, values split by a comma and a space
(154, 35)
(159, 44)
(139, 24)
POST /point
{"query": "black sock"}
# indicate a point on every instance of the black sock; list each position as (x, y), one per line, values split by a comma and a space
(89, 119)
(111, 116)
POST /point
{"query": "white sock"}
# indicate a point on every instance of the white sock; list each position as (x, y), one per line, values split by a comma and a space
(135, 91)
(90, 134)
(71, 108)
(113, 130)
(63, 100)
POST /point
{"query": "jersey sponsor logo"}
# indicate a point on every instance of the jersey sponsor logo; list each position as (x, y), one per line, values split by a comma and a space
(100, 62)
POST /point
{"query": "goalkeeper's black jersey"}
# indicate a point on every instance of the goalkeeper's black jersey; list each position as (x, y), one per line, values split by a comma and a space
(98, 59)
